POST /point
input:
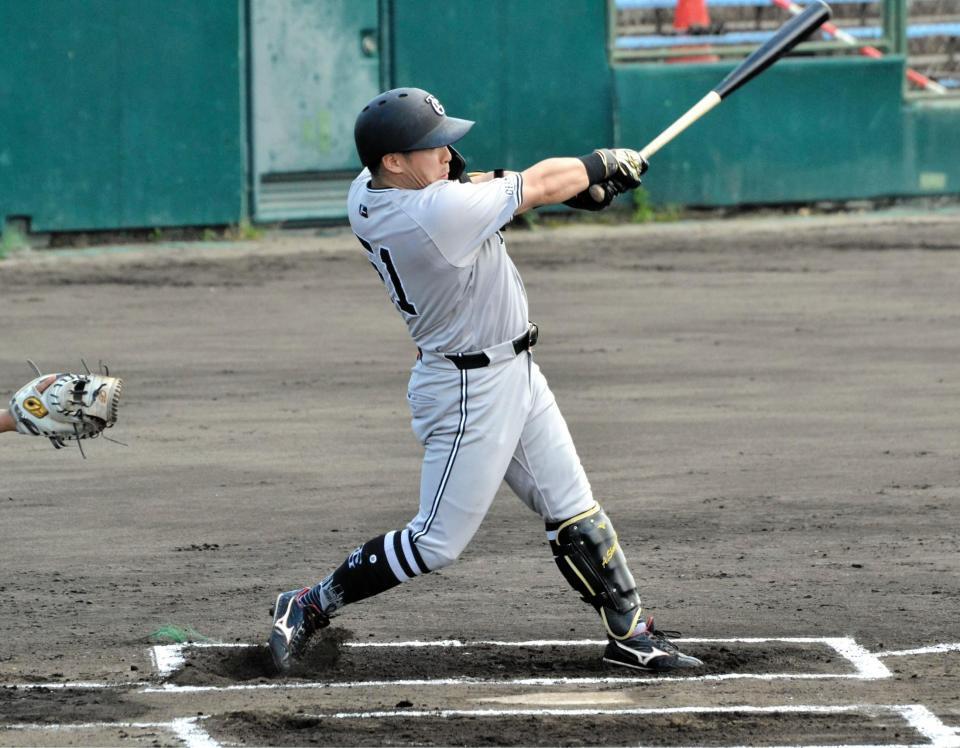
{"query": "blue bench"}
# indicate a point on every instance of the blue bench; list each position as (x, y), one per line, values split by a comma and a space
(655, 41)
(645, 4)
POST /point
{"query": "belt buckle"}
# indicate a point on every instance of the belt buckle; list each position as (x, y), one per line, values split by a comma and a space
(533, 333)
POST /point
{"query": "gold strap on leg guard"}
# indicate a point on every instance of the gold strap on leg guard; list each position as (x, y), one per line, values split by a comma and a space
(588, 554)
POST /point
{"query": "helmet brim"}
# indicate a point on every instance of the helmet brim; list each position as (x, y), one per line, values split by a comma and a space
(447, 132)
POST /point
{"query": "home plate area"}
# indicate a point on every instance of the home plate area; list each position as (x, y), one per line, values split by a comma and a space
(546, 662)
(797, 691)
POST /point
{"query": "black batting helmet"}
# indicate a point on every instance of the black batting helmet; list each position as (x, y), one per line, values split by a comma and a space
(404, 119)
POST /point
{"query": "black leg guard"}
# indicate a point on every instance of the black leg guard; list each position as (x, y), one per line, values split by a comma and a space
(588, 554)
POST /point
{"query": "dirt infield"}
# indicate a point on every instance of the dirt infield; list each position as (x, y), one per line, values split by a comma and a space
(768, 409)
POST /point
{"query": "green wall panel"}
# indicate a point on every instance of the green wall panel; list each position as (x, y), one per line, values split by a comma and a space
(807, 129)
(120, 114)
(533, 75)
(126, 114)
(932, 147)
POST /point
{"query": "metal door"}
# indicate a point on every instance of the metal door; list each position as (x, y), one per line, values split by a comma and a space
(315, 63)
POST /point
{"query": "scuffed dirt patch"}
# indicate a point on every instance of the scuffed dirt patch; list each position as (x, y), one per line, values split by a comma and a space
(221, 667)
(262, 728)
(58, 705)
(329, 660)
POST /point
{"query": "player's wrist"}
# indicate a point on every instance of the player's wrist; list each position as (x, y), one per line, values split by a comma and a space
(600, 165)
(607, 163)
(6, 422)
(596, 167)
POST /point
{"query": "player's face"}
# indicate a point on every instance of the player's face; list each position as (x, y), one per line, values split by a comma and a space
(427, 166)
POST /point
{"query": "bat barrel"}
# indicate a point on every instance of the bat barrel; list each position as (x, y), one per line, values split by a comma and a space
(787, 37)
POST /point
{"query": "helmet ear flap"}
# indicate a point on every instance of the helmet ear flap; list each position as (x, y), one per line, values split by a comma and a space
(458, 166)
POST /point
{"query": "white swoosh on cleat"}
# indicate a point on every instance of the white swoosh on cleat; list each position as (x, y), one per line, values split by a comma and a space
(281, 623)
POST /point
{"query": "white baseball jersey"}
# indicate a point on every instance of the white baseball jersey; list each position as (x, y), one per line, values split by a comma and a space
(442, 257)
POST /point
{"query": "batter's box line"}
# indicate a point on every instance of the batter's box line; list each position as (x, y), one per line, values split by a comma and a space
(917, 716)
(932, 649)
(168, 658)
(186, 729)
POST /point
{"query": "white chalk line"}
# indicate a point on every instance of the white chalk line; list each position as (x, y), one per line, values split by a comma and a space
(168, 658)
(651, 680)
(186, 729)
(933, 649)
(592, 642)
(193, 736)
(866, 664)
(919, 717)
(79, 685)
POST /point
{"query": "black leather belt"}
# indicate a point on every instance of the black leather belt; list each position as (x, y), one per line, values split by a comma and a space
(478, 360)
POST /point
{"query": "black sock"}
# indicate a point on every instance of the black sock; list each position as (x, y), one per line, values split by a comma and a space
(374, 567)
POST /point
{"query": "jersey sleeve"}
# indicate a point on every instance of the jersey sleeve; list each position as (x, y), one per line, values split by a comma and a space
(460, 216)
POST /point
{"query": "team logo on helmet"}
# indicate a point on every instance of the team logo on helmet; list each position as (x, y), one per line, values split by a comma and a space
(435, 103)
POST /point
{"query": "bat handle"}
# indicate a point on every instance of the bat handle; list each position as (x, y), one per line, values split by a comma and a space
(694, 113)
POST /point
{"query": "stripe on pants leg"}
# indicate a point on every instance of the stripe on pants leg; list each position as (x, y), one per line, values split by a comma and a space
(450, 459)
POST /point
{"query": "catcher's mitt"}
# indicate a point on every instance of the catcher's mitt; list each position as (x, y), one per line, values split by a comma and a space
(74, 406)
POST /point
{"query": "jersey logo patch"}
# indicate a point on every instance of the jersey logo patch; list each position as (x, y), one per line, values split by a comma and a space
(363, 211)
(435, 103)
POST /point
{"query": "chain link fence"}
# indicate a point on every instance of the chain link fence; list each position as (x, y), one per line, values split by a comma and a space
(645, 30)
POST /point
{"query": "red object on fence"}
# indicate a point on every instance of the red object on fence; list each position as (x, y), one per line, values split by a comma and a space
(691, 13)
(692, 16)
(917, 79)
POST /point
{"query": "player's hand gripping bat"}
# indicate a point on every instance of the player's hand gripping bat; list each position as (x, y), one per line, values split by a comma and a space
(786, 38)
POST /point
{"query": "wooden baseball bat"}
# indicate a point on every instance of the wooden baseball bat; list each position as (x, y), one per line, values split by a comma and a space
(786, 38)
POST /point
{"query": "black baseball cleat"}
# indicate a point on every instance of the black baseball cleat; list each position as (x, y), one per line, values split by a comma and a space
(648, 649)
(293, 625)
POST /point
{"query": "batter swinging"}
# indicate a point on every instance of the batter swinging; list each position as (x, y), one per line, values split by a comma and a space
(480, 405)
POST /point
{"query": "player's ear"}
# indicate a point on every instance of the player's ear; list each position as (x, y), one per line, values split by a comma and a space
(393, 163)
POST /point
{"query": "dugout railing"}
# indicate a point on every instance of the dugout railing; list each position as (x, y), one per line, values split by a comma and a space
(925, 32)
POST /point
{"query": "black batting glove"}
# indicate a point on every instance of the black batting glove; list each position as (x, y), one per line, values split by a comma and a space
(623, 166)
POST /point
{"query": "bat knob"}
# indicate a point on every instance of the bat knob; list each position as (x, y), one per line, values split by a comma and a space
(597, 192)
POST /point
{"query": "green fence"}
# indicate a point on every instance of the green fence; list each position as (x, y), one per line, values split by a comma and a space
(804, 130)
(533, 75)
(121, 114)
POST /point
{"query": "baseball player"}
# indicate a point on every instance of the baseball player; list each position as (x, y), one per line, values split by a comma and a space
(480, 406)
